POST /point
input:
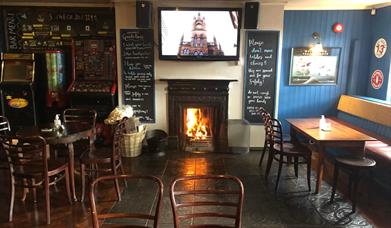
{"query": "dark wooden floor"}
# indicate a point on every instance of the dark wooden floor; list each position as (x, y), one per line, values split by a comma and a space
(293, 206)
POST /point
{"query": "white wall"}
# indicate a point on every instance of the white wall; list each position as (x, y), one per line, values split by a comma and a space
(271, 18)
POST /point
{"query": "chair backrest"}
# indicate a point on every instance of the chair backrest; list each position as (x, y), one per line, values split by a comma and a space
(207, 199)
(120, 129)
(4, 125)
(26, 155)
(276, 134)
(150, 216)
(79, 115)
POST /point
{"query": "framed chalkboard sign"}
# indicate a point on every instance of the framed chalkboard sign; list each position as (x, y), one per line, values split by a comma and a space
(138, 82)
(259, 74)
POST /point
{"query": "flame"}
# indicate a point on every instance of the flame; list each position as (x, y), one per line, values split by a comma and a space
(196, 124)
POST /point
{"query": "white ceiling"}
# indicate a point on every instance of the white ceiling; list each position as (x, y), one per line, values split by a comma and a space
(289, 4)
(334, 4)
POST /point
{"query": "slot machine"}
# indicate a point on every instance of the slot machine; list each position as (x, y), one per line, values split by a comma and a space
(17, 89)
(94, 76)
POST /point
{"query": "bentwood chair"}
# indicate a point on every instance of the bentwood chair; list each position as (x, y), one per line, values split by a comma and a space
(5, 129)
(30, 167)
(207, 201)
(104, 160)
(156, 198)
(266, 145)
(81, 116)
(283, 152)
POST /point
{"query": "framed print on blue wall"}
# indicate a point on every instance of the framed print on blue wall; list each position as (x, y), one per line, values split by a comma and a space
(314, 68)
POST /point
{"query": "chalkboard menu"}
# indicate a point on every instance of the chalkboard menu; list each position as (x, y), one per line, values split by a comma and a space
(45, 28)
(137, 60)
(260, 74)
(2, 37)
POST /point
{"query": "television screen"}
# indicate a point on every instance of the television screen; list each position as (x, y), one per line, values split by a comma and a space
(199, 34)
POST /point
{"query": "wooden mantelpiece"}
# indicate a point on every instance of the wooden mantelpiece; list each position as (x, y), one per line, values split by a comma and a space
(184, 93)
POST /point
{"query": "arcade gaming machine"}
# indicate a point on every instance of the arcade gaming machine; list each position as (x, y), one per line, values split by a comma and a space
(94, 76)
(94, 81)
(18, 98)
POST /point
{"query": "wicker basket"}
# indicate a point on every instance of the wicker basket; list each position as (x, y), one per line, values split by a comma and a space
(133, 142)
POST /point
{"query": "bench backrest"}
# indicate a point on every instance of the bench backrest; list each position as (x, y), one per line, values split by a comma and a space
(369, 115)
(372, 111)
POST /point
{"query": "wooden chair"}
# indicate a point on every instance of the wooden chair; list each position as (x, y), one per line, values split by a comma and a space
(354, 167)
(108, 160)
(82, 116)
(266, 145)
(31, 167)
(284, 151)
(144, 216)
(204, 201)
(5, 130)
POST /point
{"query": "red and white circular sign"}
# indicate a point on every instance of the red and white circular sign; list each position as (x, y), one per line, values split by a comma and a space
(380, 48)
(377, 79)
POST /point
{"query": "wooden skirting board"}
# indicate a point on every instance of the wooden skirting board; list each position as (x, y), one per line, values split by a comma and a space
(372, 111)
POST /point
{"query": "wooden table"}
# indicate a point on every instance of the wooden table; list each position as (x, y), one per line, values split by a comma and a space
(71, 133)
(340, 135)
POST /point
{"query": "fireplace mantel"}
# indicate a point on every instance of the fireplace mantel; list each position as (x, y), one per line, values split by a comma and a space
(184, 93)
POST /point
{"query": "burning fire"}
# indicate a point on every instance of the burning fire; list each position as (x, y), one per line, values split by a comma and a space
(196, 124)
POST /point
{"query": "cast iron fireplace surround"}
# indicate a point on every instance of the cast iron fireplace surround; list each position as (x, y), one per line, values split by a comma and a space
(194, 93)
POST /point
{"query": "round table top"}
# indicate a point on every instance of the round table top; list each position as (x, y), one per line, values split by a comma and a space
(69, 133)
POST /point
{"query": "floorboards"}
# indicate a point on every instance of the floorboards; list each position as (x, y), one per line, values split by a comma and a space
(292, 206)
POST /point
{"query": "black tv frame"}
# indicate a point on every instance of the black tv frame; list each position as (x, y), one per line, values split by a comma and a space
(200, 58)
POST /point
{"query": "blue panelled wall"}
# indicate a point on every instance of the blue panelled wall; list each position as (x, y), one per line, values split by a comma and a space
(354, 41)
(380, 28)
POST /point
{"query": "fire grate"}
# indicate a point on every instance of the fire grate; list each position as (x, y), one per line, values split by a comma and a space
(199, 145)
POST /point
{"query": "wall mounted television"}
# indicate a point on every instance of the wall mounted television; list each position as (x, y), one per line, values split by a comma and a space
(199, 33)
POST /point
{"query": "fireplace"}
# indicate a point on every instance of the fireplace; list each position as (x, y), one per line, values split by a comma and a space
(198, 114)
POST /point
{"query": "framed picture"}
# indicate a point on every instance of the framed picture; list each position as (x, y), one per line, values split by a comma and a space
(308, 68)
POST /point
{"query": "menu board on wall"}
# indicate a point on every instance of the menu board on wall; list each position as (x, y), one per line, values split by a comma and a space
(2, 37)
(260, 74)
(138, 82)
(45, 28)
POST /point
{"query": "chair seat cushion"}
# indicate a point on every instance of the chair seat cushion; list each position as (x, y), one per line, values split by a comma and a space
(380, 150)
(99, 155)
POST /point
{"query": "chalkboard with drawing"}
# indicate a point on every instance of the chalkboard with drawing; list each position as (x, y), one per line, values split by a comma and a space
(138, 83)
(259, 74)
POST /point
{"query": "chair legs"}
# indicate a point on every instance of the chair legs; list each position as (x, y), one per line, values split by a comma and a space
(269, 163)
(123, 173)
(263, 153)
(279, 172)
(335, 180)
(296, 167)
(114, 171)
(309, 172)
(47, 201)
(68, 186)
(12, 198)
(354, 179)
(116, 182)
(83, 180)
